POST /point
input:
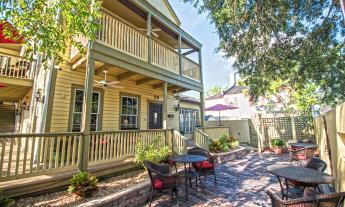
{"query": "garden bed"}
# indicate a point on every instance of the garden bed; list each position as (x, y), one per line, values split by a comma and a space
(233, 154)
(105, 188)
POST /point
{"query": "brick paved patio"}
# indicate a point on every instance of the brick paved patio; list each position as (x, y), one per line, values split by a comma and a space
(240, 183)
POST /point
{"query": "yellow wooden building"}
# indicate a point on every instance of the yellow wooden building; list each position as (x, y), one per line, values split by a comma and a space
(126, 88)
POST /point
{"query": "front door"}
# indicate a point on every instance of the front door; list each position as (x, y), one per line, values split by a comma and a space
(155, 116)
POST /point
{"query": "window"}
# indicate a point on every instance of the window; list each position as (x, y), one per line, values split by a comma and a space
(189, 118)
(78, 109)
(129, 112)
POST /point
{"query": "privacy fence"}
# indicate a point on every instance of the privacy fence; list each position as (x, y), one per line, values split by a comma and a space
(263, 130)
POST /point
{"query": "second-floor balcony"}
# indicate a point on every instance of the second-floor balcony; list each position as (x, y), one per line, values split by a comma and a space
(15, 67)
(121, 35)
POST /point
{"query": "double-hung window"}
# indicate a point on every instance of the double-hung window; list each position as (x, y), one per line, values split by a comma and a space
(129, 112)
(78, 109)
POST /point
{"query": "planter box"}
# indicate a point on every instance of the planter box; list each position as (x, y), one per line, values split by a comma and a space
(136, 195)
(223, 157)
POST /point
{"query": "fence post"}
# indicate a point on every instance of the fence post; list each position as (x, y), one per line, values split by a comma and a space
(293, 128)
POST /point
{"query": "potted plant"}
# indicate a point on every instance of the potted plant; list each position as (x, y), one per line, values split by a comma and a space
(277, 145)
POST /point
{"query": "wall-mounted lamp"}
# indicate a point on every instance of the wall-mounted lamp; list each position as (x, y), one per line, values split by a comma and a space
(171, 116)
(38, 96)
(177, 107)
(25, 107)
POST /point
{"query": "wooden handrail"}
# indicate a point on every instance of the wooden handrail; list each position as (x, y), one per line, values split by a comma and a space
(16, 67)
(122, 36)
(201, 139)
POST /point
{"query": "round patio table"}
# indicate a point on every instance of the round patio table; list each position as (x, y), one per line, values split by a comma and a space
(300, 174)
(303, 145)
(184, 159)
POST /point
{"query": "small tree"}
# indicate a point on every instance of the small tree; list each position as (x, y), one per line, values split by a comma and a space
(214, 90)
(49, 27)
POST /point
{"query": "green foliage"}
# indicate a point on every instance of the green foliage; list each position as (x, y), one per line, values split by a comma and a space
(83, 184)
(48, 27)
(153, 152)
(280, 43)
(214, 91)
(223, 144)
(277, 142)
(215, 146)
(6, 201)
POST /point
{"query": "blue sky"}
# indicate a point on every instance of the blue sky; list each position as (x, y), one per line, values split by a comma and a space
(216, 68)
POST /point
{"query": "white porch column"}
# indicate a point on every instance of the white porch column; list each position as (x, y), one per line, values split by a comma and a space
(202, 109)
(165, 105)
(86, 115)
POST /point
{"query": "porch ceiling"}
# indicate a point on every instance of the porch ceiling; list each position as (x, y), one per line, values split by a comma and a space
(120, 74)
(12, 93)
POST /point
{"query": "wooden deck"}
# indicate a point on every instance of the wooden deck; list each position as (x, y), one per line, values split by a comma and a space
(240, 183)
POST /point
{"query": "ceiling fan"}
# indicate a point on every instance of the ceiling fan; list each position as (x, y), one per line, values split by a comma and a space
(154, 30)
(105, 83)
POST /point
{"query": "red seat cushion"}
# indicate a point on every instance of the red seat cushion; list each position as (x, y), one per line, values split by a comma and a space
(300, 157)
(204, 165)
(157, 183)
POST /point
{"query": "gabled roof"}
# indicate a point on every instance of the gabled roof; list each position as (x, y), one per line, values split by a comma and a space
(232, 90)
(164, 7)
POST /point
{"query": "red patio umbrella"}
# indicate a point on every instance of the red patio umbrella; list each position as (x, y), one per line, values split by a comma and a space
(220, 107)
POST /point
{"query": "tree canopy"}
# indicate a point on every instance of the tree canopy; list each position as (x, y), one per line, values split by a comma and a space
(214, 90)
(295, 43)
(49, 27)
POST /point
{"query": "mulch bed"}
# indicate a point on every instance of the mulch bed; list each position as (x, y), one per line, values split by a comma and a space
(105, 187)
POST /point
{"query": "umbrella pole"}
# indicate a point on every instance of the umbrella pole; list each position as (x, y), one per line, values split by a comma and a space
(220, 120)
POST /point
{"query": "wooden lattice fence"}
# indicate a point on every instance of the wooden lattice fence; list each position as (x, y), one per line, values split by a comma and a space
(280, 127)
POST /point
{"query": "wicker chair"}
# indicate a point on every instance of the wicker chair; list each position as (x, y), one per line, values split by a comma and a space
(322, 200)
(161, 179)
(302, 154)
(206, 167)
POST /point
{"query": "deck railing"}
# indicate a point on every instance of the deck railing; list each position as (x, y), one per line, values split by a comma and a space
(165, 57)
(190, 69)
(123, 37)
(24, 155)
(15, 67)
(115, 145)
(201, 139)
(27, 155)
(179, 143)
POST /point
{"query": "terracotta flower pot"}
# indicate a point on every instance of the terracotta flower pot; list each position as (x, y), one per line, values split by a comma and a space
(278, 150)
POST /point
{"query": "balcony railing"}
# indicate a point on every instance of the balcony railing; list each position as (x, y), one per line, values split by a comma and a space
(126, 38)
(123, 37)
(190, 69)
(15, 67)
(165, 57)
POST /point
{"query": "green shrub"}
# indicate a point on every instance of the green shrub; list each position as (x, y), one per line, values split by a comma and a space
(153, 152)
(83, 184)
(215, 146)
(277, 142)
(223, 144)
(6, 201)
